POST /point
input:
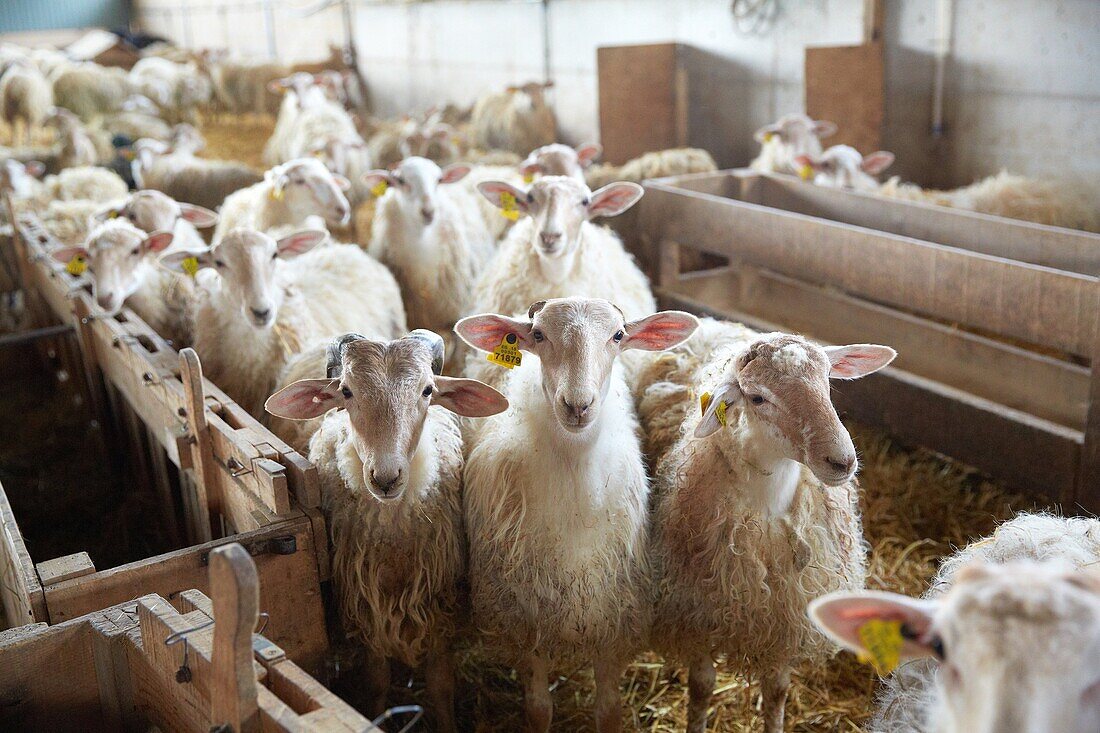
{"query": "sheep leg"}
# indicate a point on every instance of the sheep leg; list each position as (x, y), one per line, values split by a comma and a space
(773, 687)
(609, 703)
(700, 688)
(537, 703)
(377, 669)
(440, 678)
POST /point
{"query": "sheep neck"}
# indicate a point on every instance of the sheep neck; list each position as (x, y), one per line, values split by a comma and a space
(558, 269)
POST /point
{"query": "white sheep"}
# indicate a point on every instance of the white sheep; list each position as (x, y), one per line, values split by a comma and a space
(90, 90)
(517, 119)
(556, 251)
(153, 211)
(391, 476)
(842, 166)
(177, 172)
(656, 164)
(781, 142)
(430, 234)
(255, 309)
(288, 194)
(121, 260)
(20, 179)
(66, 203)
(557, 497)
(300, 92)
(77, 146)
(25, 100)
(757, 507)
(242, 85)
(177, 88)
(1007, 639)
(559, 160)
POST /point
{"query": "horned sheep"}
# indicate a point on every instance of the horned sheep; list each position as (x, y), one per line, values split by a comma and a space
(755, 520)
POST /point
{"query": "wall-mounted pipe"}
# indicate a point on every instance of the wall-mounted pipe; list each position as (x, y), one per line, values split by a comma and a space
(945, 29)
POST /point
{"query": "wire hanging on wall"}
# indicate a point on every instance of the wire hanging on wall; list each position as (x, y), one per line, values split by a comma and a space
(754, 17)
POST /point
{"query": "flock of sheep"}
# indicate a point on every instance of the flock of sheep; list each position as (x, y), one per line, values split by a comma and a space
(602, 477)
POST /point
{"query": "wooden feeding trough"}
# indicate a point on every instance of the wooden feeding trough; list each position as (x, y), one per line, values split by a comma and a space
(193, 665)
(995, 320)
(232, 479)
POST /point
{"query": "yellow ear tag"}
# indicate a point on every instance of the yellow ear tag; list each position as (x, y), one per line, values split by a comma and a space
(769, 136)
(379, 188)
(883, 642)
(528, 177)
(77, 265)
(508, 208)
(507, 354)
(190, 265)
(806, 172)
(704, 402)
(720, 413)
(112, 214)
(276, 194)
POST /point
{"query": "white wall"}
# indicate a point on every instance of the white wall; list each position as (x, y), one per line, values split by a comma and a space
(1023, 81)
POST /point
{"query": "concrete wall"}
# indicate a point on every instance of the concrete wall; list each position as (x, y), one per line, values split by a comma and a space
(1023, 91)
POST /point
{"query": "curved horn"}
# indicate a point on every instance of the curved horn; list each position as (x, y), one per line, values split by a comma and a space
(435, 343)
(335, 354)
(535, 308)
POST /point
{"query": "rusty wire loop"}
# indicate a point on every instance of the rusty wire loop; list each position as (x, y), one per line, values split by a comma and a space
(416, 711)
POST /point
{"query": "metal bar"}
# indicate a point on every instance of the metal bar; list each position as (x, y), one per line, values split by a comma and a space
(26, 337)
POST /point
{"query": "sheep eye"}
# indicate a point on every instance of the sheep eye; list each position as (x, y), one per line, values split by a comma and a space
(756, 399)
(619, 335)
(275, 256)
(427, 391)
(585, 201)
(537, 335)
(219, 263)
(937, 648)
(135, 251)
(346, 392)
(530, 198)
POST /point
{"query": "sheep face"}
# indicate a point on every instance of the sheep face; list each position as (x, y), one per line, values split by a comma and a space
(841, 166)
(796, 130)
(560, 160)
(415, 182)
(781, 382)
(308, 187)
(577, 341)
(245, 260)
(153, 211)
(115, 256)
(560, 207)
(387, 388)
(1018, 644)
(530, 96)
(338, 154)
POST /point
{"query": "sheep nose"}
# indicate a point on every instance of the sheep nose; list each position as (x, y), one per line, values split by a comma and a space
(579, 408)
(428, 214)
(549, 239)
(106, 302)
(261, 313)
(385, 484)
(842, 464)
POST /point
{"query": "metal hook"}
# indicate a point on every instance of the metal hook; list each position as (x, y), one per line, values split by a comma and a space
(415, 710)
(236, 469)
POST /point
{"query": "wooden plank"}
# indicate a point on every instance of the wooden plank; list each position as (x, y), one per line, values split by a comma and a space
(290, 586)
(1037, 244)
(236, 600)
(1033, 304)
(845, 84)
(1088, 480)
(980, 366)
(59, 569)
(21, 595)
(1021, 450)
(639, 100)
(116, 697)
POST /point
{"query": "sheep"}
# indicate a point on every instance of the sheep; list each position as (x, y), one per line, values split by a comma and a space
(135, 121)
(556, 499)
(842, 166)
(1015, 616)
(517, 119)
(657, 164)
(555, 251)
(286, 196)
(153, 211)
(783, 141)
(391, 476)
(386, 141)
(91, 91)
(19, 179)
(25, 99)
(184, 177)
(300, 92)
(754, 521)
(256, 309)
(431, 236)
(177, 88)
(559, 160)
(242, 86)
(84, 183)
(77, 146)
(122, 262)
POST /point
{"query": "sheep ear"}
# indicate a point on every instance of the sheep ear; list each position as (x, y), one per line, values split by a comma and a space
(199, 216)
(660, 331)
(613, 199)
(454, 173)
(65, 254)
(468, 397)
(495, 192)
(186, 262)
(157, 242)
(877, 162)
(299, 243)
(372, 179)
(277, 86)
(342, 183)
(305, 399)
(714, 409)
(485, 332)
(588, 153)
(824, 128)
(858, 360)
(840, 616)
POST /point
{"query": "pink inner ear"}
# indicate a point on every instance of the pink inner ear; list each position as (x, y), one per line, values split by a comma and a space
(661, 332)
(158, 241)
(301, 401)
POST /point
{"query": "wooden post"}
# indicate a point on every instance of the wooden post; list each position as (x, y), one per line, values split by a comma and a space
(874, 17)
(236, 595)
(668, 264)
(1088, 473)
(203, 457)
